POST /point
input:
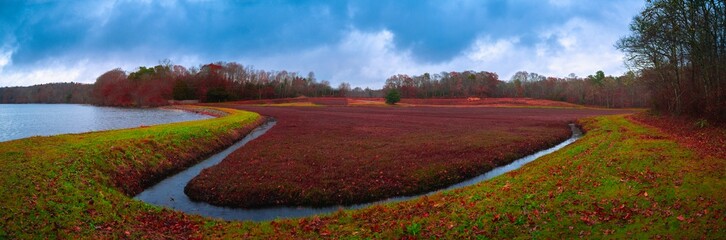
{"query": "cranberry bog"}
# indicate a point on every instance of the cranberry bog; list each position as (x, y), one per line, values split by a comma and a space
(490, 102)
(450, 102)
(321, 156)
(298, 101)
(623, 179)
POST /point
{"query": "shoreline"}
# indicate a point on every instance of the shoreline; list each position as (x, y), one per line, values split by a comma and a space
(45, 120)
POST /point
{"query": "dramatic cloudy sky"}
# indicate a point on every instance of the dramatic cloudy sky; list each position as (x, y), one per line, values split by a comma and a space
(360, 42)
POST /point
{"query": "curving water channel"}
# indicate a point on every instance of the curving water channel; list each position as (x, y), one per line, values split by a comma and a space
(170, 192)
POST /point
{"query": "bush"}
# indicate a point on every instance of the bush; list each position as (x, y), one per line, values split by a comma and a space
(393, 96)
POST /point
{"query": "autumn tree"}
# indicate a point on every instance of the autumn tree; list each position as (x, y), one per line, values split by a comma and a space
(113, 88)
(343, 89)
(679, 49)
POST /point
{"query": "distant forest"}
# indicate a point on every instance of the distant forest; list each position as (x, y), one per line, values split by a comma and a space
(221, 81)
(215, 82)
(598, 89)
(155, 86)
(48, 93)
(218, 82)
(677, 50)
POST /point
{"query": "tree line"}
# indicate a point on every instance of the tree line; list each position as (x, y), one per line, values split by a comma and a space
(679, 50)
(215, 82)
(597, 89)
(157, 85)
(48, 93)
(445, 84)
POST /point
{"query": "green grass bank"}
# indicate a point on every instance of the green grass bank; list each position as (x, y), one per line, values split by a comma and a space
(77, 185)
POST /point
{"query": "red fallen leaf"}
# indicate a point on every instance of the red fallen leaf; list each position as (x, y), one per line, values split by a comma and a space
(496, 218)
(585, 219)
(511, 218)
(376, 228)
(681, 218)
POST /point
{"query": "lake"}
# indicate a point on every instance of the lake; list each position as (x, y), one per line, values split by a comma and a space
(26, 120)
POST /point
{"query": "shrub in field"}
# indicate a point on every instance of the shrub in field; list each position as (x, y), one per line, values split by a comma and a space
(393, 96)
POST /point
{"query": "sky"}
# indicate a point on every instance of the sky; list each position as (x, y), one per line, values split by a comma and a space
(358, 42)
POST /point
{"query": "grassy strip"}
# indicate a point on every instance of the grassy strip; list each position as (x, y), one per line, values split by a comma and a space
(73, 185)
(622, 180)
